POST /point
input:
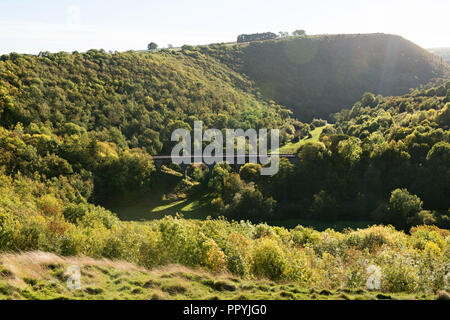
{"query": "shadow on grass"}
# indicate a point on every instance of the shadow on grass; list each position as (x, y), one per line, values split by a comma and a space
(195, 208)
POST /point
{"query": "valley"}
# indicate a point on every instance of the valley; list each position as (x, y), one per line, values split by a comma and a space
(366, 117)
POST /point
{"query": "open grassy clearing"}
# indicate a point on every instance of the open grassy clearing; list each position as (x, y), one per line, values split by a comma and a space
(150, 209)
(42, 276)
(291, 148)
(199, 208)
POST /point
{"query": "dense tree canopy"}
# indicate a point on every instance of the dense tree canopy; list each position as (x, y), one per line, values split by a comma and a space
(98, 117)
(386, 159)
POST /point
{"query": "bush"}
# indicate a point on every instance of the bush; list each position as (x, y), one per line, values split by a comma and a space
(237, 252)
(72, 243)
(399, 276)
(422, 236)
(98, 215)
(250, 172)
(213, 257)
(375, 238)
(149, 249)
(75, 212)
(9, 231)
(49, 205)
(250, 203)
(304, 236)
(269, 260)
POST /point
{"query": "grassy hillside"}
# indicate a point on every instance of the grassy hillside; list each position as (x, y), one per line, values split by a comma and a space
(319, 75)
(38, 275)
(292, 148)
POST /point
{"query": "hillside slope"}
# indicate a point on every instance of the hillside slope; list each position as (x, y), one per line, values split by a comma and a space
(355, 167)
(131, 99)
(319, 75)
(39, 275)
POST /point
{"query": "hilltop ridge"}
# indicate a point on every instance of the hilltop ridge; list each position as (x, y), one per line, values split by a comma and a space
(316, 76)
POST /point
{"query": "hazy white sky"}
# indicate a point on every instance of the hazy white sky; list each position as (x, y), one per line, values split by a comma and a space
(30, 26)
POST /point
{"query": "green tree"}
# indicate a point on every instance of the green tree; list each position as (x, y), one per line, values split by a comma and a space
(440, 153)
(152, 46)
(350, 150)
(299, 33)
(250, 172)
(403, 208)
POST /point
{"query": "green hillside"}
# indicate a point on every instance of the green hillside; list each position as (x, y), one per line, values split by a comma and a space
(90, 123)
(98, 117)
(319, 75)
(131, 99)
(79, 130)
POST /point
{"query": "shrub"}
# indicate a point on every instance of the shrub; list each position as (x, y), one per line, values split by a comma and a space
(75, 212)
(218, 205)
(49, 205)
(213, 257)
(149, 249)
(33, 234)
(250, 172)
(237, 252)
(72, 243)
(98, 215)
(330, 272)
(421, 236)
(249, 202)
(374, 238)
(9, 231)
(399, 277)
(263, 230)
(331, 242)
(303, 236)
(269, 260)
(399, 271)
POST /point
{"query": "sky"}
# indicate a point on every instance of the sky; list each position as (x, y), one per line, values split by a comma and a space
(30, 26)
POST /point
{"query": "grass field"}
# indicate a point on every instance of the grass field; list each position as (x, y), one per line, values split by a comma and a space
(291, 148)
(199, 208)
(153, 208)
(43, 276)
